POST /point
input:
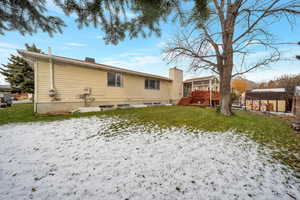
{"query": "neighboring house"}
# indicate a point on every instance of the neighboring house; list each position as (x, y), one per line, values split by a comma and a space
(239, 85)
(5, 88)
(273, 100)
(206, 83)
(21, 96)
(64, 84)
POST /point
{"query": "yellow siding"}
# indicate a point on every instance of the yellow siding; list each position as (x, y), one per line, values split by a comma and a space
(248, 104)
(43, 85)
(281, 106)
(256, 105)
(272, 104)
(70, 80)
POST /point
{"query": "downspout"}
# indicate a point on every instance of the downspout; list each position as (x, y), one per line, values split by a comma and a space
(52, 91)
(35, 95)
(51, 69)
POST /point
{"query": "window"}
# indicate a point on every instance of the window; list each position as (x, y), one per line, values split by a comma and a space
(152, 84)
(114, 79)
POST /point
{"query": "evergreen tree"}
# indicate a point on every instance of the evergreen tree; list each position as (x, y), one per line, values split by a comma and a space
(27, 16)
(119, 19)
(18, 73)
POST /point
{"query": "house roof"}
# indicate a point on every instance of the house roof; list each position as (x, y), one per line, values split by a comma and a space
(200, 78)
(5, 87)
(82, 63)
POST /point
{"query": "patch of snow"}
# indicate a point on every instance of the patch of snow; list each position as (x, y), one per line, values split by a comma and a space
(88, 109)
(139, 106)
(22, 101)
(283, 113)
(269, 90)
(101, 158)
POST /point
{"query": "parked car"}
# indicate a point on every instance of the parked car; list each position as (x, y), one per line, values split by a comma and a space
(5, 100)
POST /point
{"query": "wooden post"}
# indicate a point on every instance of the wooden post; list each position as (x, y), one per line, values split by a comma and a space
(210, 93)
(276, 105)
(245, 101)
(192, 86)
(297, 108)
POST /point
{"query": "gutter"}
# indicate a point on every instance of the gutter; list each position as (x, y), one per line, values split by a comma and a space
(86, 64)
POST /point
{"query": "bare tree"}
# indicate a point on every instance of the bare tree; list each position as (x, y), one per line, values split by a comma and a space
(298, 56)
(226, 42)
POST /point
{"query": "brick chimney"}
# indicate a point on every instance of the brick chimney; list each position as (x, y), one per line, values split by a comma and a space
(176, 92)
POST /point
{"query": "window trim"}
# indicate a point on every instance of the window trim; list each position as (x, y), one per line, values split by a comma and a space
(116, 74)
(156, 84)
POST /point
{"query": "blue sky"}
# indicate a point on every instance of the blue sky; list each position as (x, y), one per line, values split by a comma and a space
(138, 54)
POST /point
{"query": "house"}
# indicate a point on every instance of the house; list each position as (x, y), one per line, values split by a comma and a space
(5, 88)
(64, 84)
(202, 91)
(206, 83)
(273, 100)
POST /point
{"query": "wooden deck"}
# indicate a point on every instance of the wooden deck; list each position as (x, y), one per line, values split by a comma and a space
(201, 99)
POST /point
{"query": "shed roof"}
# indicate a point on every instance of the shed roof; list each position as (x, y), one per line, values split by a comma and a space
(268, 94)
(82, 63)
(269, 90)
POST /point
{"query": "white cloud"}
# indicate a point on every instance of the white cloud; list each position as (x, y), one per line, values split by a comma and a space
(74, 44)
(138, 61)
(161, 44)
(53, 7)
(131, 54)
(130, 15)
(146, 60)
(2, 81)
(4, 55)
(8, 45)
(100, 37)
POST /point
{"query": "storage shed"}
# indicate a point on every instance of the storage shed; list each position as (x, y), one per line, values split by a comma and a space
(272, 100)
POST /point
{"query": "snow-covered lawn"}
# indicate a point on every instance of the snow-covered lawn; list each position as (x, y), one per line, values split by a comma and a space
(97, 158)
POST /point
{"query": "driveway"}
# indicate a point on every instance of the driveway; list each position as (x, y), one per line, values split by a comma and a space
(107, 158)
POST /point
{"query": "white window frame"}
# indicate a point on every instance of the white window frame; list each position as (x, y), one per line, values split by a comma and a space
(116, 79)
(157, 84)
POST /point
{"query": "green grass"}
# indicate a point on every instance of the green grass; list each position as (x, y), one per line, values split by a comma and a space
(267, 130)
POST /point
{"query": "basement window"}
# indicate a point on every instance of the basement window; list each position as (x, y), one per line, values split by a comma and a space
(114, 79)
(152, 84)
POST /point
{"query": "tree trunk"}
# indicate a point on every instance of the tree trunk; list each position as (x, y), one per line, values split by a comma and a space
(225, 90)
